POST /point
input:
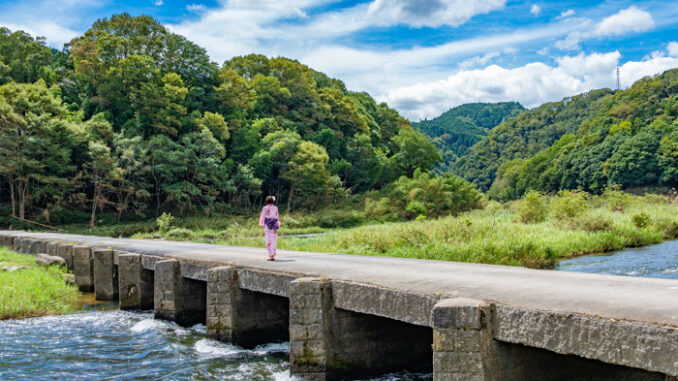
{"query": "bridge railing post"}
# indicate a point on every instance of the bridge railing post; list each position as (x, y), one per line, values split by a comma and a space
(463, 347)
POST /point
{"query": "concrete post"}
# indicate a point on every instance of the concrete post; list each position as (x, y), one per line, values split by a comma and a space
(463, 347)
(243, 317)
(36, 247)
(135, 283)
(176, 298)
(65, 251)
(310, 331)
(105, 275)
(18, 243)
(83, 267)
(9, 241)
(25, 245)
(51, 248)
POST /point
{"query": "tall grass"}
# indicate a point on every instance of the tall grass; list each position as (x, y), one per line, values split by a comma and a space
(35, 291)
(569, 224)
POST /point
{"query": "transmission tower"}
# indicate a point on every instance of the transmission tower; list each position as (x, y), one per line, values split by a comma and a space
(617, 78)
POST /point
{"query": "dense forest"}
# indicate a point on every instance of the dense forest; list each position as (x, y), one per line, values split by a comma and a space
(133, 120)
(590, 142)
(459, 128)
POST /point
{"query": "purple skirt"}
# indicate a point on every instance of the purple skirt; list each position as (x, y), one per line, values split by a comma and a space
(271, 223)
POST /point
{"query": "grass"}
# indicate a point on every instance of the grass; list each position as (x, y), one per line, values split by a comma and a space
(36, 291)
(570, 225)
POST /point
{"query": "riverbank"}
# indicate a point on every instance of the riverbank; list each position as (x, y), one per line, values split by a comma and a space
(33, 291)
(537, 231)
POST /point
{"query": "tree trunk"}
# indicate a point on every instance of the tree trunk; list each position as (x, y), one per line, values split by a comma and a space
(11, 195)
(22, 199)
(289, 199)
(94, 205)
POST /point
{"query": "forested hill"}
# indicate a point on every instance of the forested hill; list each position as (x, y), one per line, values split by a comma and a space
(590, 141)
(458, 128)
(132, 119)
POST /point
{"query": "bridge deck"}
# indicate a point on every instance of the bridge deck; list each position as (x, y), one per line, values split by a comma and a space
(647, 300)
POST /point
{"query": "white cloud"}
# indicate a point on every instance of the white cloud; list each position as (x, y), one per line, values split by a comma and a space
(531, 84)
(158, 3)
(431, 13)
(631, 19)
(672, 48)
(196, 8)
(566, 14)
(535, 10)
(55, 34)
(478, 60)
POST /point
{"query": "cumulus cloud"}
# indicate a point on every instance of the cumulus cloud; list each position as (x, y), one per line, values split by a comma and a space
(535, 10)
(672, 49)
(55, 34)
(531, 84)
(431, 13)
(196, 8)
(628, 20)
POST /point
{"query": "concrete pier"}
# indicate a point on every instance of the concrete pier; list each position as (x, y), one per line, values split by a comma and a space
(351, 316)
(243, 317)
(177, 298)
(105, 275)
(65, 251)
(135, 283)
(83, 268)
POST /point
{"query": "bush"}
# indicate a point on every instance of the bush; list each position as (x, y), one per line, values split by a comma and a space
(641, 220)
(339, 219)
(615, 199)
(591, 223)
(60, 216)
(532, 209)
(164, 222)
(568, 204)
(179, 234)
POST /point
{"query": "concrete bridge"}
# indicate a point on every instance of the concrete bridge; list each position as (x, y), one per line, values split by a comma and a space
(347, 316)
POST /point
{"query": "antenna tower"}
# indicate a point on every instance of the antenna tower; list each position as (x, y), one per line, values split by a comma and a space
(617, 77)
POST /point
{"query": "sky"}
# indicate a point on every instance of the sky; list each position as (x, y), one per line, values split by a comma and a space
(422, 57)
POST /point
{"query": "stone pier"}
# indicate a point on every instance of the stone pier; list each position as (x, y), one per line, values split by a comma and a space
(105, 275)
(65, 251)
(83, 267)
(177, 298)
(328, 343)
(243, 317)
(135, 283)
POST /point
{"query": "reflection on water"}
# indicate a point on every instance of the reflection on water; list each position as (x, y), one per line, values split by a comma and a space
(121, 345)
(655, 261)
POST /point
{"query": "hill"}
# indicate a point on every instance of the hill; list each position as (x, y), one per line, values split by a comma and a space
(459, 128)
(590, 142)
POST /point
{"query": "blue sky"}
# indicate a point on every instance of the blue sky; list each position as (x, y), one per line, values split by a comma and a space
(420, 56)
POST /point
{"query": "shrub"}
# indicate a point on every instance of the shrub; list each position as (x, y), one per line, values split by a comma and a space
(568, 204)
(591, 223)
(179, 234)
(641, 220)
(164, 222)
(615, 199)
(532, 209)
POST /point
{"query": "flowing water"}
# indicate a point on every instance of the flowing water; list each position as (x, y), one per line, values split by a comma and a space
(104, 344)
(654, 261)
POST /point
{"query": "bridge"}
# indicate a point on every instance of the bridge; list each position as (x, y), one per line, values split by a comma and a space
(349, 316)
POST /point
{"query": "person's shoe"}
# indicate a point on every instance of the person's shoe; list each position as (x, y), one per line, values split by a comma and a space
(271, 259)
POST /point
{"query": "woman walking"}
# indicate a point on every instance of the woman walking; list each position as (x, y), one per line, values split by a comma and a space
(268, 219)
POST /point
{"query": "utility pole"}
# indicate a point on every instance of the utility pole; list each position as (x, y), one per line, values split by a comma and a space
(617, 77)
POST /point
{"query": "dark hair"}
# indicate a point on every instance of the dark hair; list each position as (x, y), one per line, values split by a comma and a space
(270, 200)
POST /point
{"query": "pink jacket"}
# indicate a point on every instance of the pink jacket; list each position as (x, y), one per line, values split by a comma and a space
(268, 211)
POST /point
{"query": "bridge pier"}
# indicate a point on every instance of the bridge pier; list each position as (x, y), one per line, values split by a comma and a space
(83, 267)
(463, 346)
(327, 343)
(243, 317)
(65, 251)
(135, 283)
(177, 298)
(105, 275)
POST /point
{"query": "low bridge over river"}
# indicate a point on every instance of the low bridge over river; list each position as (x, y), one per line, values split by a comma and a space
(349, 315)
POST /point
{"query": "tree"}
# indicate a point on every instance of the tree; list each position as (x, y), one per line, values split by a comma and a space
(308, 175)
(102, 174)
(415, 151)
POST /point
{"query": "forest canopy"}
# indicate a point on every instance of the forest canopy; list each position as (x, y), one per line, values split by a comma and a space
(132, 119)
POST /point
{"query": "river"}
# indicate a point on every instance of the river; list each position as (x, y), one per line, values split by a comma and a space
(102, 342)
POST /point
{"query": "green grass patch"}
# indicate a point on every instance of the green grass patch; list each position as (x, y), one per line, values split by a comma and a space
(35, 291)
